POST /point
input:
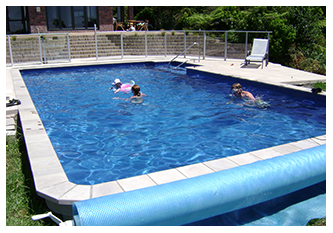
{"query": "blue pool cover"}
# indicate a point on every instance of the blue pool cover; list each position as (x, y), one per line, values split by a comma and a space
(229, 192)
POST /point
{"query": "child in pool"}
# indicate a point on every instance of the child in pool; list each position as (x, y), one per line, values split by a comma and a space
(137, 95)
(237, 91)
(116, 83)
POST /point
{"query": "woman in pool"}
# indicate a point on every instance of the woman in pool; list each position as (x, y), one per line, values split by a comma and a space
(237, 91)
(137, 95)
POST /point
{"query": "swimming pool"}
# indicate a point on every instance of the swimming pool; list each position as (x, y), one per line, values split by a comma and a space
(185, 119)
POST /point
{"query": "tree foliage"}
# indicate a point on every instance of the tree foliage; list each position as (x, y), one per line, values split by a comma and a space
(298, 37)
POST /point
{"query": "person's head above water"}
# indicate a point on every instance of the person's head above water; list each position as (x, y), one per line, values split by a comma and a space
(136, 89)
(117, 82)
(237, 91)
(236, 88)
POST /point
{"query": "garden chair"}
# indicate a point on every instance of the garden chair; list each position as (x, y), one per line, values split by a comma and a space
(259, 52)
(143, 25)
(120, 24)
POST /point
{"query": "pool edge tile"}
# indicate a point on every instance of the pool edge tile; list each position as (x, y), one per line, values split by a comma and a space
(194, 170)
(305, 144)
(243, 159)
(286, 148)
(54, 192)
(77, 193)
(136, 182)
(44, 181)
(266, 153)
(320, 140)
(220, 164)
(104, 189)
(166, 176)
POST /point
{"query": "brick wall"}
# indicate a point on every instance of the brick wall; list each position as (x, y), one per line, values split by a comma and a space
(130, 12)
(105, 18)
(37, 19)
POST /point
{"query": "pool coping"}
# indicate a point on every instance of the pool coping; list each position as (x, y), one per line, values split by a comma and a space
(52, 184)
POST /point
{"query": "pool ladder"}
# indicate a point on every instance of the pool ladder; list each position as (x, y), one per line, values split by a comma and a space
(195, 43)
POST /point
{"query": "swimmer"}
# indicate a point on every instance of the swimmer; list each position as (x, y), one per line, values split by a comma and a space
(125, 87)
(116, 83)
(237, 91)
(137, 95)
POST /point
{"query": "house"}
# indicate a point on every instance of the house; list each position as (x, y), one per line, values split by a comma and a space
(30, 19)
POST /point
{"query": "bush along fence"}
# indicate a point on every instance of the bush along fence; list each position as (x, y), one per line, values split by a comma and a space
(45, 48)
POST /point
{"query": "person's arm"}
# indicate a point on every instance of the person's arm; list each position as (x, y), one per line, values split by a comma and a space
(249, 95)
(117, 98)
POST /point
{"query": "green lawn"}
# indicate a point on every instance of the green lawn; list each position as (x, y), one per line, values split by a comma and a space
(21, 199)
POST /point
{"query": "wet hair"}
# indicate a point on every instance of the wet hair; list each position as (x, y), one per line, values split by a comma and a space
(136, 90)
(236, 86)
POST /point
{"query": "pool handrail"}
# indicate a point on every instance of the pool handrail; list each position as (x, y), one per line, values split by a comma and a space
(194, 43)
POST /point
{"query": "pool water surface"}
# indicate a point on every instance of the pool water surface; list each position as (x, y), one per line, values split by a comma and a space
(184, 119)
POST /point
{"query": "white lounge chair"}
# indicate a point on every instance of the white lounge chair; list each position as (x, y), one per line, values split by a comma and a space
(259, 52)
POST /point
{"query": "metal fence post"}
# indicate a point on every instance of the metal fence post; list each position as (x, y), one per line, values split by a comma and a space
(199, 51)
(185, 44)
(204, 45)
(96, 42)
(40, 48)
(44, 55)
(69, 48)
(165, 44)
(267, 49)
(146, 51)
(246, 42)
(10, 51)
(121, 45)
(225, 45)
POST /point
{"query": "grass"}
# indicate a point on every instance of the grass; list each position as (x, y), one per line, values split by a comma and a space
(21, 199)
(320, 85)
(317, 222)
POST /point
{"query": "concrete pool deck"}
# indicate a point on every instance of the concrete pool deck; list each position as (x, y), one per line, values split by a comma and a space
(50, 180)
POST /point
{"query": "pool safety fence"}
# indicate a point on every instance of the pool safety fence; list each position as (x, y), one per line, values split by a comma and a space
(43, 48)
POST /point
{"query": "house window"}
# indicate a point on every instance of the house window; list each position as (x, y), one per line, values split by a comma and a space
(71, 17)
(16, 19)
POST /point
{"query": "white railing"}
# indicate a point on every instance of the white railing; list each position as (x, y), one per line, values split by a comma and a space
(44, 48)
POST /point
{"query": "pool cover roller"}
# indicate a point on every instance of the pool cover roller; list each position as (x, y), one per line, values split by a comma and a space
(193, 199)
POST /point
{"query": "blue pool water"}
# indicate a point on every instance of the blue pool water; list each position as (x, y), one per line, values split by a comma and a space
(185, 119)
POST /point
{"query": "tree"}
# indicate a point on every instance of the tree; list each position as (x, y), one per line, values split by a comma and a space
(298, 37)
(308, 51)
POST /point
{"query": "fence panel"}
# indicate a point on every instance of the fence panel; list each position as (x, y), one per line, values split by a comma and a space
(134, 43)
(195, 36)
(24, 48)
(175, 42)
(108, 44)
(215, 44)
(156, 44)
(56, 47)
